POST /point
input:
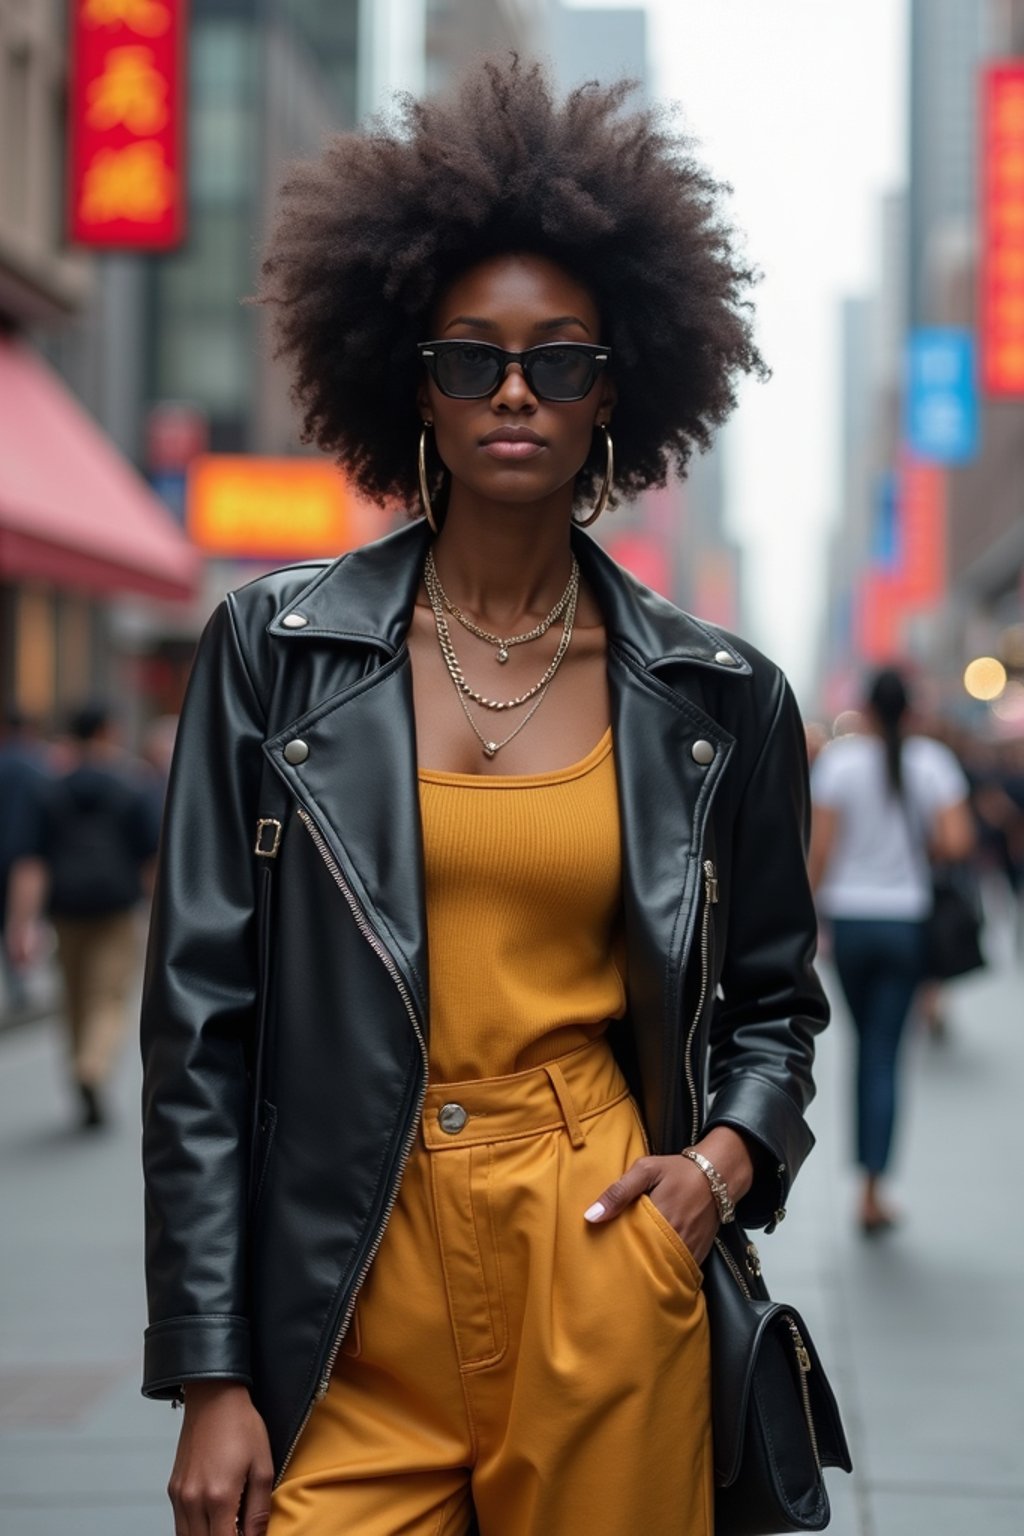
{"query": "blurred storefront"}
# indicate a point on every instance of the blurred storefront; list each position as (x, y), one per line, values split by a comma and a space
(79, 529)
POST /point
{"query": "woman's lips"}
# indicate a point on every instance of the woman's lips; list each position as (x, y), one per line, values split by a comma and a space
(513, 448)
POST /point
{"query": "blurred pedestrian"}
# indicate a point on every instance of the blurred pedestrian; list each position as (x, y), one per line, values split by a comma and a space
(24, 771)
(886, 804)
(422, 1295)
(997, 799)
(88, 864)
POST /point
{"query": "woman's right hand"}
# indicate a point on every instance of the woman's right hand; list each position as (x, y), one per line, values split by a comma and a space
(223, 1470)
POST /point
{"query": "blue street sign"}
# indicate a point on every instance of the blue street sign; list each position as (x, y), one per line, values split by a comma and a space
(885, 530)
(942, 395)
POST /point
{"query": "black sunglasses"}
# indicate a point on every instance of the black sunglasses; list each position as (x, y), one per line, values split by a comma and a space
(471, 370)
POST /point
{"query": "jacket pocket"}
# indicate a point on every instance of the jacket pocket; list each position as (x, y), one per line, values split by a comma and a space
(266, 1124)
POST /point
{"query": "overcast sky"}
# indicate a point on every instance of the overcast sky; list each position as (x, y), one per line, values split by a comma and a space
(801, 105)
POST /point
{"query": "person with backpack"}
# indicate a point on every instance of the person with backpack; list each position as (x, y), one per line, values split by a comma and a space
(88, 867)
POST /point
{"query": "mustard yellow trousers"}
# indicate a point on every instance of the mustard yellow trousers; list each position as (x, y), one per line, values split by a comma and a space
(505, 1355)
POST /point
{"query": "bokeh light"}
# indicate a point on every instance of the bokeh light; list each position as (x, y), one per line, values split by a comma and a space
(985, 678)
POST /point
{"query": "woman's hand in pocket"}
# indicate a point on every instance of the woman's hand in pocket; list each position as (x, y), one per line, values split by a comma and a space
(679, 1190)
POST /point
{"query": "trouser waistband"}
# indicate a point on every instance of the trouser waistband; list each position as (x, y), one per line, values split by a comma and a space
(563, 1093)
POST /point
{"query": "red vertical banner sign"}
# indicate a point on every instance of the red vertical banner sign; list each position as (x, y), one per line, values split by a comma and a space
(916, 582)
(922, 512)
(127, 123)
(878, 616)
(1001, 305)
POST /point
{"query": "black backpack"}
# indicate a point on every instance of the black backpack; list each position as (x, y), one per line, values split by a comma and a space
(99, 832)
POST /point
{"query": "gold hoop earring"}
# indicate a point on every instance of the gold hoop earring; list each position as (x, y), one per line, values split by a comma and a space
(606, 483)
(428, 510)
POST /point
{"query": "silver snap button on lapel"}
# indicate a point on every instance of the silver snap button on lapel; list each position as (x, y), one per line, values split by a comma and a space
(296, 752)
(702, 752)
(294, 621)
(451, 1118)
(725, 658)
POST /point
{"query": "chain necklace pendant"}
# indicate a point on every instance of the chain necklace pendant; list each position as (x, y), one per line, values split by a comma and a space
(490, 748)
(502, 644)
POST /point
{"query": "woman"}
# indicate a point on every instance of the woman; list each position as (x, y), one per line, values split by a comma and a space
(528, 840)
(884, 805)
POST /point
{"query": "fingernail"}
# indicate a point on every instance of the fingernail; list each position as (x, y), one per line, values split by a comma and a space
(595, 1212)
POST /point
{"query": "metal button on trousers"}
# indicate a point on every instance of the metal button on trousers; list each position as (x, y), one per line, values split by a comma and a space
(452, 1118)
(552, 1375)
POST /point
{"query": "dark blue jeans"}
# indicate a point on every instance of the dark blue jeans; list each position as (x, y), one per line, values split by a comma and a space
(881, 964)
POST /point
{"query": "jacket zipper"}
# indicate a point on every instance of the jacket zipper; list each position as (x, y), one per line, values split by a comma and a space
(710, 900)
(371, 937)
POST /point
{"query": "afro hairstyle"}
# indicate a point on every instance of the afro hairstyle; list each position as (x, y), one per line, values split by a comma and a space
(369, 236)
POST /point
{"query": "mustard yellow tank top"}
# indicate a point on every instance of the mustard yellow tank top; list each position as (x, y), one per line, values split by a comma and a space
(523, 887)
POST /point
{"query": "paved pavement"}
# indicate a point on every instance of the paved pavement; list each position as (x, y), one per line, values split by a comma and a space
(921, 1331)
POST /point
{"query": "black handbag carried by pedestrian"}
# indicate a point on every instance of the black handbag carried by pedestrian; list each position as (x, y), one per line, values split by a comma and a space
(953, 930)
(776, 1424)
(953, 926)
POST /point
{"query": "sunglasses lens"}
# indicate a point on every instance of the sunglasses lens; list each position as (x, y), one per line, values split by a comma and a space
(561, 373)
(467, 371)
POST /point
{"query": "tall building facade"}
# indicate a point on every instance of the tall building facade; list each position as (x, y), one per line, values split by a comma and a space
(948, 41)
(951, 43)
(974, 510)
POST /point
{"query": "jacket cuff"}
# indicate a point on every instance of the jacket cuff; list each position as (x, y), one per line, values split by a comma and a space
(181, 1349)
(764, 1113)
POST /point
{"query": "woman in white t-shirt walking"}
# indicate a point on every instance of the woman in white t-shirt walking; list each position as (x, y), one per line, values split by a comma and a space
(885, 805)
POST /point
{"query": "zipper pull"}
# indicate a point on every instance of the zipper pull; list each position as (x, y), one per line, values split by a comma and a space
(803, 1358)
(710, 883)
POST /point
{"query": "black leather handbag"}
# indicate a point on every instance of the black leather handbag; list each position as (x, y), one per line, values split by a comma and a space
(953, 929)
(775, 1421)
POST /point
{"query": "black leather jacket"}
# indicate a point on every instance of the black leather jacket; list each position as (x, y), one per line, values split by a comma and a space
(285, 1017)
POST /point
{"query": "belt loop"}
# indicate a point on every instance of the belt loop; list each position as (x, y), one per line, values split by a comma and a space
(572, 1120)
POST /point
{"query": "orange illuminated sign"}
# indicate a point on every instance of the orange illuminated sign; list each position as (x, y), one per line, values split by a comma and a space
(127, 123)
(1002, 229)
(244, 507)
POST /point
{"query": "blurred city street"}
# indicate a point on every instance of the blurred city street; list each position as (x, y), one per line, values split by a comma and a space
(920, 1330)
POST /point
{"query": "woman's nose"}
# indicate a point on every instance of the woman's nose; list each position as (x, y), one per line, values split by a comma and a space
(514, 393)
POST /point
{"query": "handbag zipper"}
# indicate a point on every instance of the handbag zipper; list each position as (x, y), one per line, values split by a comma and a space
(710, 900)
(803, 1361)
(803, 1358)
(368, 933)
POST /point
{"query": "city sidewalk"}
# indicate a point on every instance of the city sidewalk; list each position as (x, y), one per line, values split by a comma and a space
(921, 1331)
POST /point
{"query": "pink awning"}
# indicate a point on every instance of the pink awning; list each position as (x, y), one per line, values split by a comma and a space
(73, 510)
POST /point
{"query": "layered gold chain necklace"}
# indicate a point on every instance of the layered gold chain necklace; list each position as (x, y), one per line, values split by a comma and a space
(441, 605)
(505, 644)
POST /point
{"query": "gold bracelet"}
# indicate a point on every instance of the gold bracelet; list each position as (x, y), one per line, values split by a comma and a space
(719, 1188)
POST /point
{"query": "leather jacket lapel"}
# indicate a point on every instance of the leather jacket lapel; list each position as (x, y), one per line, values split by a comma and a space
(356, 779)
(665, 794)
